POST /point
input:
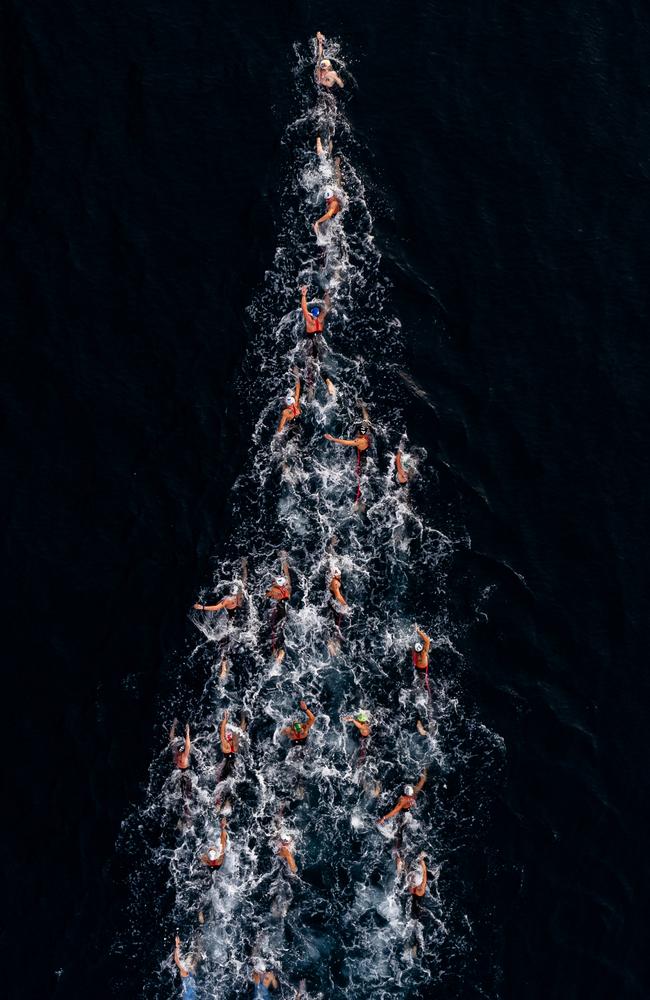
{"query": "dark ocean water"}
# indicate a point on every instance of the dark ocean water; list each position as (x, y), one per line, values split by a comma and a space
(507, 161)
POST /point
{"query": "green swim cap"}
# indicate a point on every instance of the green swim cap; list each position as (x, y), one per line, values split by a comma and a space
(297, 727)
(362, 716)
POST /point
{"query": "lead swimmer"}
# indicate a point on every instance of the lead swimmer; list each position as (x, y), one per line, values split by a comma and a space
(325, 74)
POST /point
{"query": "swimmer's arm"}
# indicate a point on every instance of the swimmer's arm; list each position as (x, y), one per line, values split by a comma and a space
(337, 79)
(311, 718)
(244, 571)
(425, 639)
(211, 607)
(320, 38)
(273, 980)
(222, 733)
(335, 587)
(347, 441)
(284, 565)
(421, 783)
(303, 303)
(401, 475)
(389, 815)
(287, 731)
(223, 839)
(188, 745)
(285, 853)
(297, 392)
(358, 724)
(283, 422)
(177, 958)
(172, 731)
(328, 215)
(422, 888)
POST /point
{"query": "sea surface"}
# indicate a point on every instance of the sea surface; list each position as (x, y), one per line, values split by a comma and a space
(153, 167)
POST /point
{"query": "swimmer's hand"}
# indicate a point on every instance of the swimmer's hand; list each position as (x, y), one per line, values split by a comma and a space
(303, 290)
(316, 229)
(303, 705)
(328, 437)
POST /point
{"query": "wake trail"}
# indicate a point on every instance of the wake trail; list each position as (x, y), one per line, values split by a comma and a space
(345, 922)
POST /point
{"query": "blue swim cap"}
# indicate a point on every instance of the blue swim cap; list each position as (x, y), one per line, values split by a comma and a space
(315, 311)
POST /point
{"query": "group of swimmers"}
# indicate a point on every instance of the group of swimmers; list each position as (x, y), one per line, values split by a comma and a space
(279, 593)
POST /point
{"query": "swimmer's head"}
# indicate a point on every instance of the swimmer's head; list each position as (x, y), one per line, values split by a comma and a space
(280, 581)
(415, 878)
(418, 647)
(408, 789)
(212, 854)
(315, 311)
(297, 728)
(289, 399)
(362, 716)
(180, 746)
(325, 64)
(336, 570)
(329, 194)
(364, 428)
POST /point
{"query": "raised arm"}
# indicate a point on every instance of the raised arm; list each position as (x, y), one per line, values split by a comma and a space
(425, 639)
(320, 38)
(401, 474)
(172, 731)
(177, 958)
(360, 725)
(297, 391)
(188, 745)
(303, 302)
(335, 587)
(285, 852)
(286, 573)
(338, 80)
(222, 733)
(421, 783)
(223, 839)
(311, 718)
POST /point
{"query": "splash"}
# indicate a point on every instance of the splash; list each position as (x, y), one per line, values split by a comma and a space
(345, 921)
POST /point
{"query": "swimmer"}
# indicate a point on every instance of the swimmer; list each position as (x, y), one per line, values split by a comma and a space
(407, 800)
(284, 852)
(333, 207)
(325, 75)
(280, 590)
(263, 982)
(335, 586)
(291, 409)
(403, 472)
(181, 748)
(420, 652)
(229, 740)
(214, 858)
(360, 720)
(417, 880)
(314, 316)
(299, 731)
(186, 969)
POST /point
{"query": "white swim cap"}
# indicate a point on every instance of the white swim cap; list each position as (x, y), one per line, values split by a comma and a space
(212, 855)
(325, 64)
(329, 194)
(281, 581)
(418, 647)
(289, 399)
(415, 877)
(408, 789)
(336, 570)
